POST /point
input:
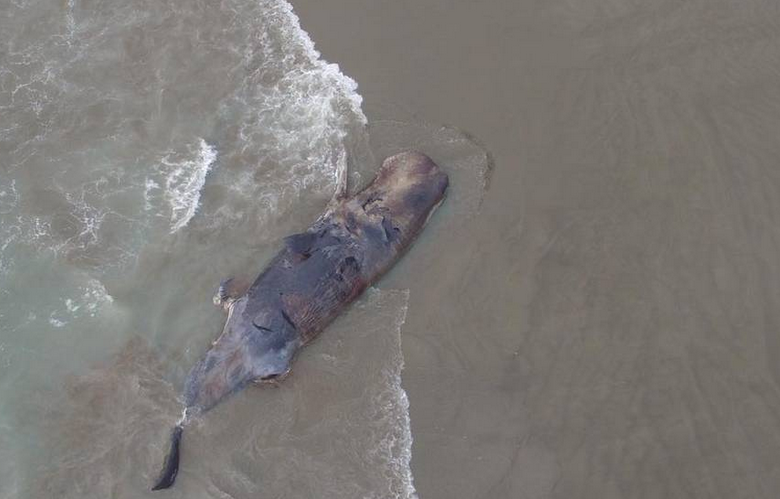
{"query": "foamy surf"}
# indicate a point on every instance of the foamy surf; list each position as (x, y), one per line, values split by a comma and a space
(393, 451)
(184, 182)
(291, 119)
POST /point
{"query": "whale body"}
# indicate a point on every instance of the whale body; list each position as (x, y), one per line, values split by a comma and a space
(313, 278)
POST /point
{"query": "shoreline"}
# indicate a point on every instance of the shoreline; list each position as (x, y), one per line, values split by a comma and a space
(605, 326)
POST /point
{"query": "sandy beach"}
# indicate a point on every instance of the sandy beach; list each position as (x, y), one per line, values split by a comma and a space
(608, 325)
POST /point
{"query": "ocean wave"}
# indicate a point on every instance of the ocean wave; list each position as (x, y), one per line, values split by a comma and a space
(184, 182)
(286, 127)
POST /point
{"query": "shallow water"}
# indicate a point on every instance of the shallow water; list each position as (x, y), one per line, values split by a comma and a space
(149, 151)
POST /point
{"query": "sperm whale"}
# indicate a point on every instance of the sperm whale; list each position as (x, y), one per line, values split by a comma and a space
(312, 279)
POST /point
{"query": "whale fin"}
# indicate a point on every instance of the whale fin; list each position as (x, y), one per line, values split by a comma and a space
(171, 466)
(230, 290)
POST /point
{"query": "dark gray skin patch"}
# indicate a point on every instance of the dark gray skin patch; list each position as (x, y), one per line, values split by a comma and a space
(316, 275)
(391, 231)
(417, 198)
(301, 244)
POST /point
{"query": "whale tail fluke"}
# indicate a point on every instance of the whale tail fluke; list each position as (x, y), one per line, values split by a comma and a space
(171, 467)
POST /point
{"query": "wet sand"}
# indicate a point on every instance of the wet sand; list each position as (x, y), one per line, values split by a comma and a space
(607, 326)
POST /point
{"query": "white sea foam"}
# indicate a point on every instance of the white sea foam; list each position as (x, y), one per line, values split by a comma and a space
(184, 182)
(149, 187)
(394, 448)
(94, 295)
(86, 302)
(294, 115)
(9, 231)
(56, 322)
(9, 196)
(90, 219)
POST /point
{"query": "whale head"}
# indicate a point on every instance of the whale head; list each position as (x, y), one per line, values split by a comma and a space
(253, 346)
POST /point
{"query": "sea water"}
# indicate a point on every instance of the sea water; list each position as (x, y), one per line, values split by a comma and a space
(147, 151)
